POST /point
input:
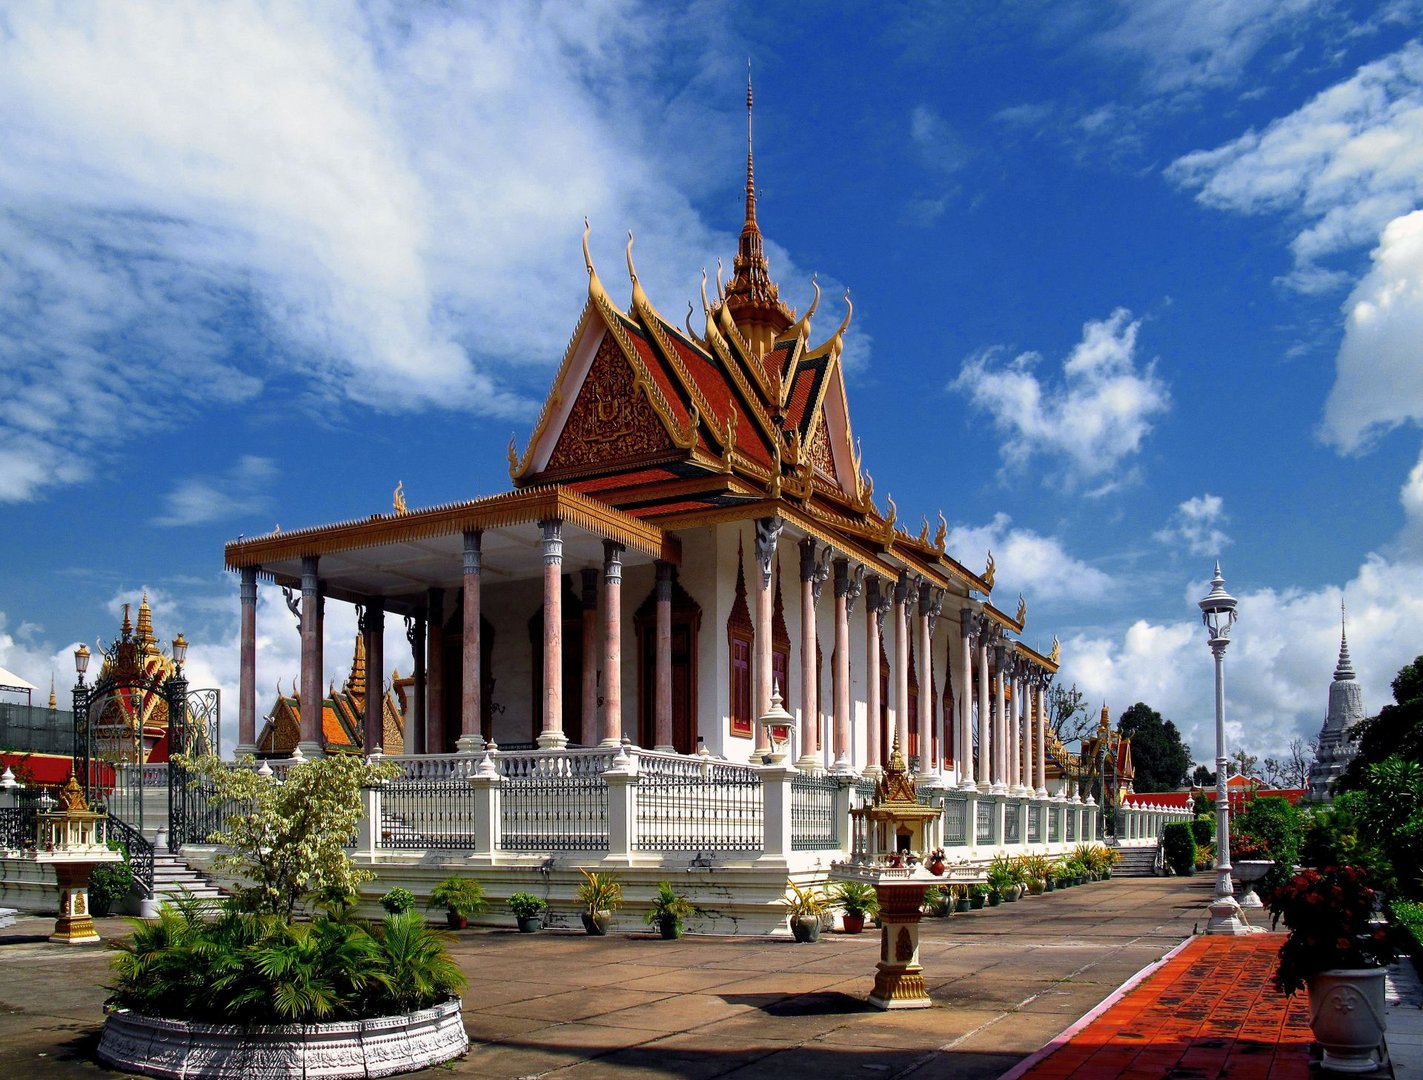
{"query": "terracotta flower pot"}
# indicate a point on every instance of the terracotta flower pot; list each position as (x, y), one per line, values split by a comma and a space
(455, 921)
(1347, 1016)
(854, 924)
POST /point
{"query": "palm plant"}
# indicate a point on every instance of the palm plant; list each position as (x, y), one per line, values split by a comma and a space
(416, 971)
(856, 898)
(599, 892)
(668, 910)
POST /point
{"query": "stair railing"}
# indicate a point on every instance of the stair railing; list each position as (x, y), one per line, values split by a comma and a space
(140, 853)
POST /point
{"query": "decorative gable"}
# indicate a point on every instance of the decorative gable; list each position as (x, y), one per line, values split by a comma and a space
(611, 419)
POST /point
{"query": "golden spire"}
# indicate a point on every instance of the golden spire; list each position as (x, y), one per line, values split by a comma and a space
(146, 640)
(127, 628)
(752, 298)
(53, 701)
(356, 681)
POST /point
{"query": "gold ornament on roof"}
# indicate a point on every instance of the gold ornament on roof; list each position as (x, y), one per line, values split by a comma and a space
(1056, 650)
(989, 570)
(942, 534)
(1022, 610)
(71, 799)
(398, 499)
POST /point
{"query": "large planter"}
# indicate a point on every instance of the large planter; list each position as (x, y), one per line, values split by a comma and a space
(1346, 1014)
(853, 924)
(805, 928)
(529, 924)
(670, 928)
(597, 922)
(382, 1046)
(1247, 872)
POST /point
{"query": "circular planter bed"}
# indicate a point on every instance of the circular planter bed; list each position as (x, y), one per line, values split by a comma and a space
(381, 1046)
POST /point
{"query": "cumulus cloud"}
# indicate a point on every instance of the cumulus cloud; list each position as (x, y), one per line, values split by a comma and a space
(1039, 566)
(1379, 378)
(338, 201)
(242, 490)
(1196, 523)
(1093, 419)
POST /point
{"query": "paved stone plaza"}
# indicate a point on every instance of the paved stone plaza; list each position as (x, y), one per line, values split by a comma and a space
(1004, 981)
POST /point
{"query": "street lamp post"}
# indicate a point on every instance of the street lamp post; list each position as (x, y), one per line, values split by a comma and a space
(1218, 614)
(80, 757)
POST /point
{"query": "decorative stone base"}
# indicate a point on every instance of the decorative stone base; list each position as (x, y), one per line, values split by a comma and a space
(899, 989)
(357, 1048)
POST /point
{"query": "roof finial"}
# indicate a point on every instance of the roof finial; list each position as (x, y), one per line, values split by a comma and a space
(1344, 669)
(750, 165)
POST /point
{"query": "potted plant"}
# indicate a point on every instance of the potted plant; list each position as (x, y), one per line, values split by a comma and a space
(806, 907)
(958, 894)
(977, 896)
(668, 909)
(109, 883)
(1002, 880)
(939, 901)
(1336, 950)
(398, 901)
(1036, 869)
(462, 899)
(855, 899)
(601, 895)
(528, 911)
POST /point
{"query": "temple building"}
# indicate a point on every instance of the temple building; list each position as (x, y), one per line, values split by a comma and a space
(132, 723)
(343, 714)
(1335, 749)
(690, 526)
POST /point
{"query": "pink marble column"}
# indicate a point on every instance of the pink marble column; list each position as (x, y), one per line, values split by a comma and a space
(1040, 742)
(247, 665)
(552, 736)
(985, 714)
(662, 714)
(470, 740)
(768, 534)
(312, 675)
(963, 754)
(435, 739)
(1000, 724)
(373, 735)
(809, 669)
(901, 662)
(415, 713)
(588, 733)
(842, 666)
(926, 686)
(874, 619)
(612, 643)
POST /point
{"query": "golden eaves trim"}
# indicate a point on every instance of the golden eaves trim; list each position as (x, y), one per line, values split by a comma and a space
(494, 511)
(1036, 657)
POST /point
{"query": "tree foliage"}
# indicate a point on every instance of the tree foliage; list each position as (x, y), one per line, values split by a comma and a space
(1397, 729)
(1159, 756)
(288, 838)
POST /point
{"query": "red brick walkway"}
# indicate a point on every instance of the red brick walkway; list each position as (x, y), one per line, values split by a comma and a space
(1210, 1011)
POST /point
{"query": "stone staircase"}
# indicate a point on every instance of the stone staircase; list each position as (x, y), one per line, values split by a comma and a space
(172, 876)
(1136, 861)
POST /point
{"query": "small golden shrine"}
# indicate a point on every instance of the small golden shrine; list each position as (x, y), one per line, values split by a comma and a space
(72, 840)
(895, 822)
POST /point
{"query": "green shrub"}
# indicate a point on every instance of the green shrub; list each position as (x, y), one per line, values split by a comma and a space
(255, 968)
(1279, 826)
(464, 897)
(1203, 829)
(398, 901)
(526, 905)
(1407, 915)
(1179, 843)
(109, 883)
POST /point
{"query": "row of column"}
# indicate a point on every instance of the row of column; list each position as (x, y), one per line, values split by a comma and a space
(1012, 747)
(427, 637)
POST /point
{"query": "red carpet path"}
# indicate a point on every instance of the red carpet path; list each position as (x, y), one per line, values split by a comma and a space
(1209, 1011)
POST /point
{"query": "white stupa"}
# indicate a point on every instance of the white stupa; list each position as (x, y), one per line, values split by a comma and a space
(1346, 709)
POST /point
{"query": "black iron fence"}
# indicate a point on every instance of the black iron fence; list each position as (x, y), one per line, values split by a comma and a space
(815, 824)
(689, 805)
(420, 813)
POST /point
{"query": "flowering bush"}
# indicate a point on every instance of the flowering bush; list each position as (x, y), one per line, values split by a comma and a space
(1245, 847)
(1329, 913)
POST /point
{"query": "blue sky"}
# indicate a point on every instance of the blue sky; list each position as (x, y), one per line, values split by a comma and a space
(1136, 285)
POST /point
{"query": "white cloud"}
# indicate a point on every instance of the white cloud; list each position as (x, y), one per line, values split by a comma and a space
(1196, 523)
(1345, 163)
(1189, 45)
(1038, 566)
(1379, 377)
(363, 201)
(1279, 664)
(243, 490)
(1093, 419)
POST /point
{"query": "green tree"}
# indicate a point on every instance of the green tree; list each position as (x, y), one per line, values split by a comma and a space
(290, 842)
(1397, 729)
(1159, 756)
(1201, 776)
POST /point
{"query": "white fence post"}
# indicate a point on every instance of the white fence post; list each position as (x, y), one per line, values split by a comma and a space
(485, 782)
(368, 828)
(621, 778)
(776, 799)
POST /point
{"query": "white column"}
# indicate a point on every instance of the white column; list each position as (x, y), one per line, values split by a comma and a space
(552, 735)
(985, 726)
(874, 619)
(768, 534)
(1040, 739)
(841, 694)
(810, 581)
(901, 663)
(999, 723)
(927, 771)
